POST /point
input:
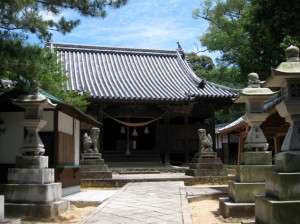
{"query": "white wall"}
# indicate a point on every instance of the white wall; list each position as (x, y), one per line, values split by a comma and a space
(11, 141)
(49, 117)
(65, 123)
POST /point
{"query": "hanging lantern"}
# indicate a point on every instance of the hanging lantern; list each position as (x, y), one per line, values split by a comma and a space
(146, 130)
(123, 130)
(135, 133)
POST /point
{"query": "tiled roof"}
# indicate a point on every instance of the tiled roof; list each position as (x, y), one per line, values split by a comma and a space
(111, 73)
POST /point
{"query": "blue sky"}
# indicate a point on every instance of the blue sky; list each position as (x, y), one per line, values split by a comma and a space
(155, 24)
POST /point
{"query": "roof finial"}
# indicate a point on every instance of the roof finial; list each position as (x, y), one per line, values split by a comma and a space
(179, 46)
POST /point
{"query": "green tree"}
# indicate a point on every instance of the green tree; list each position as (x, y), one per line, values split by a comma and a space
(250, 34)
(21, 18)
(272, 26)
(200, 64)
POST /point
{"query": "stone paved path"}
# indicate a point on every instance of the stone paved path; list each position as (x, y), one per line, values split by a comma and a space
(146, 202)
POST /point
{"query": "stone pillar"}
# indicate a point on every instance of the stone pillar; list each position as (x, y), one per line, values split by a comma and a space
(31, 190)
(250, 176)
(1, 208)
(281, 202)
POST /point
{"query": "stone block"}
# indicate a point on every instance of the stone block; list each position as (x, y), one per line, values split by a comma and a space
(49, 210)
(92, 162)
(1, 207)
(245, 192)
(268, 210)
(206, 160)
(35, 162)
(103, 167)
(287, 162)
(206, 166)
(283, 186)
(257, 158)
(31, 193)
(85, 156)
(30, 176)
(205, 172)
(96, 175)
(229, 209)
(252, 173)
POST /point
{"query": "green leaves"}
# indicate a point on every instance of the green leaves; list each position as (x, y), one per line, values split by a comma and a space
(21, 18)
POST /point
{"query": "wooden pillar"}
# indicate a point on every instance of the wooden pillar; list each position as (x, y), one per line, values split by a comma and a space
(186, 139)
(168, 139)
(277, 144)
(100, 119)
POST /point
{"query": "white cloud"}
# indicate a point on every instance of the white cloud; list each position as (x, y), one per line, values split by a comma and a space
(142, 24)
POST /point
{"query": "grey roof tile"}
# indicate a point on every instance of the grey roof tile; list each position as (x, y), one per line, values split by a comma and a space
(112, 73)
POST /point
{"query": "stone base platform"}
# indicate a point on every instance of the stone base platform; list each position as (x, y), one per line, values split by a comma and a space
(244, 192)
(268, 210)
(49, 210)
(10, 221)
(229, 209)
(206, 164)
(205, 172)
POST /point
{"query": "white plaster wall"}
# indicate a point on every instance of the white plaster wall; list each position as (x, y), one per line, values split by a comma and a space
(76, 141)
(65, 123)
(11, 141)
(49, 117)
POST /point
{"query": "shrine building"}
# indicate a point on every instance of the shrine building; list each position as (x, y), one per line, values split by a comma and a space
(150, 101)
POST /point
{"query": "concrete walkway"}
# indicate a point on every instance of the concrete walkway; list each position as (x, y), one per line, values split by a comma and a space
(144, 202)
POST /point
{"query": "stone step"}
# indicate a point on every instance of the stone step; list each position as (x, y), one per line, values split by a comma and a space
(49, 210)
(96, 175)
(206, 160)
(228, 208)
(84, 168)
(245, 192)
(205, 172)
(206, 166)
(31, 193)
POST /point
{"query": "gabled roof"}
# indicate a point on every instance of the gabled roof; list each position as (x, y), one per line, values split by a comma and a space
(112, 73)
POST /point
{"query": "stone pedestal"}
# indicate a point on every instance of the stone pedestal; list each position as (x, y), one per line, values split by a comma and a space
(2, 218)
(206, 164)
(92, 167)
(249, 181)
(281, 202)
(31, 190)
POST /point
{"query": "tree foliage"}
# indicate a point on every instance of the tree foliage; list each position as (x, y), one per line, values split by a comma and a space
(250, 34)
(21, 18)
(200, 64)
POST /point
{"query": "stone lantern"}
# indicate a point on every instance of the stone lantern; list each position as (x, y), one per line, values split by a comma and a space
(287, 76)
(254, 96)
(31, 190)
(282, 201)
(33, 122)
(256, 160)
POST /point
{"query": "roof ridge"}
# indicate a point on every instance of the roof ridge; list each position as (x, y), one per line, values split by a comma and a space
(87, 47)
